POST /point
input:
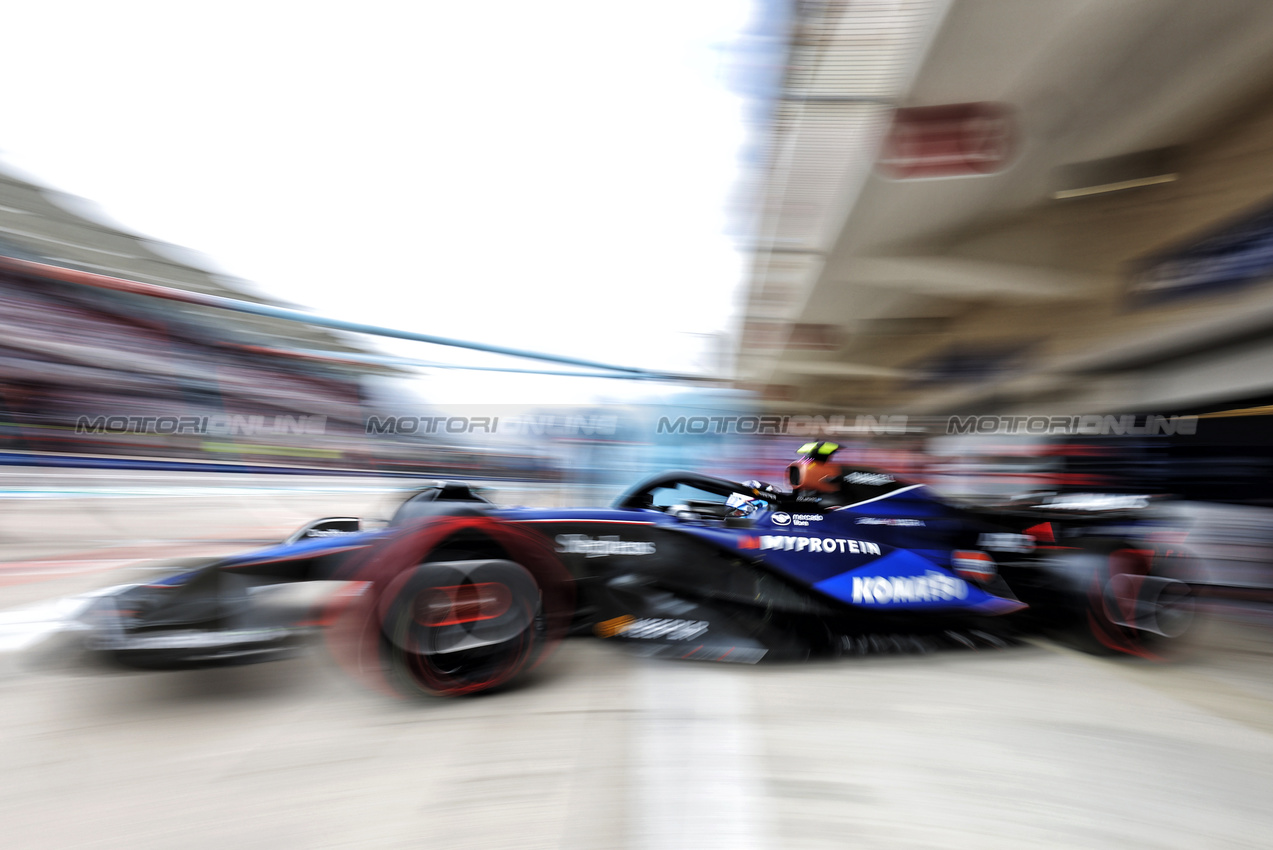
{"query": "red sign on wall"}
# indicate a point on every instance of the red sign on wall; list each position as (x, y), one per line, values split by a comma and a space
(954, 140)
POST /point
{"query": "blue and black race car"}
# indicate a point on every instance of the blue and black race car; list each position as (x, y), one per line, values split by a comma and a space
(457, 595)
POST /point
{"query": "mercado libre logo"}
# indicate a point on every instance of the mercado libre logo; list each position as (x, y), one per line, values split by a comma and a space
(781, 518)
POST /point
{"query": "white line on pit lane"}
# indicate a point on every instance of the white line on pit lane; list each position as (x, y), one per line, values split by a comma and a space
(697, 762)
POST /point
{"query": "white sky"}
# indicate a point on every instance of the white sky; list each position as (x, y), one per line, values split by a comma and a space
(546, 175)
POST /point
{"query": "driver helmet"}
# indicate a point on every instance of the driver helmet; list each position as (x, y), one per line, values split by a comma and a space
(813, 473)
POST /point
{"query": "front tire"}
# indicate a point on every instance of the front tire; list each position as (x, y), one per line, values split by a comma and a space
(460, 627)
(452, 605)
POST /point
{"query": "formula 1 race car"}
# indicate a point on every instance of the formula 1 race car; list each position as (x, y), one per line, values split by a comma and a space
(456, 595)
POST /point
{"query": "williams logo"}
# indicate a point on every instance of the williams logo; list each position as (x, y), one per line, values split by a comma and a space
(601, 547)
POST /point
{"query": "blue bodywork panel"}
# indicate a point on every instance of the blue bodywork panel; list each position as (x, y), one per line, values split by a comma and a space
(887, 553)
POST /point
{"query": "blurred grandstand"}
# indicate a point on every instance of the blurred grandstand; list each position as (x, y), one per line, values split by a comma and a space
(90, 376)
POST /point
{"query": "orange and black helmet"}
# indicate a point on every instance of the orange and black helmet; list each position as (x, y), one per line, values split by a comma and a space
(813, 471)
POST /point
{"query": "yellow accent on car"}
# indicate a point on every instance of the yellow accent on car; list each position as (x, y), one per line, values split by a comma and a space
(617, 626)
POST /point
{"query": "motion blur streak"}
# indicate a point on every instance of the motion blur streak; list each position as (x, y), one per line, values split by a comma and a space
(698, 778)
(905, 479)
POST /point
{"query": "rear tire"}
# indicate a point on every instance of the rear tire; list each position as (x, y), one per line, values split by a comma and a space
(1127, 598)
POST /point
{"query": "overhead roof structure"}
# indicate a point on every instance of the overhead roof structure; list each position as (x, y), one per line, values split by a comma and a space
(1011, 290)
(848, 64)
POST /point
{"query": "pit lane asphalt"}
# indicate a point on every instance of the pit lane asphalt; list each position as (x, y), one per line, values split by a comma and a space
(1035, 746)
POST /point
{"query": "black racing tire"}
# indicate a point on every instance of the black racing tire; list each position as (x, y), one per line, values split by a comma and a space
(511, 601)
(461, 627)
(1126, 598)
